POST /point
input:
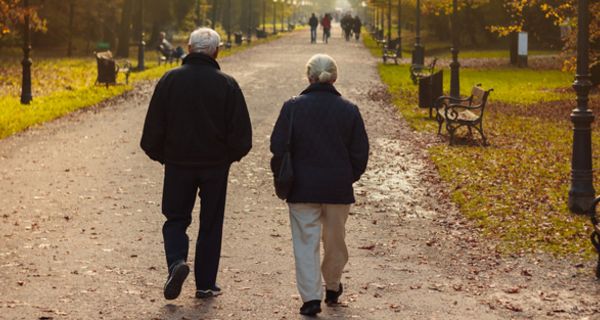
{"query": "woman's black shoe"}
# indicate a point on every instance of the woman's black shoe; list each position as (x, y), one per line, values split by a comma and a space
(311, 308)
(331, 297)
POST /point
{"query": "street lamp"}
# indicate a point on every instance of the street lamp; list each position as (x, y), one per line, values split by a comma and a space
(418, 56)
(141, 44)
(26, 96)
(581, 194)
(582, 190)
(454, 65)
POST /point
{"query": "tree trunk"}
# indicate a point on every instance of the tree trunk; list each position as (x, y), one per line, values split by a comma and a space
(125, 29)
(71, 18)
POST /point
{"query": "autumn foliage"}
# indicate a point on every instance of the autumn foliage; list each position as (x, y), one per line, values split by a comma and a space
(12, 15)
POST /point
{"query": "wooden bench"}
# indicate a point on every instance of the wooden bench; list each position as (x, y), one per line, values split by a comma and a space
(391, 51)
(456, 112)
(418, 71)
(108, 69)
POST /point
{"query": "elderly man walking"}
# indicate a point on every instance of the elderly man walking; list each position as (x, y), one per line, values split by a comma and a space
(197, 125)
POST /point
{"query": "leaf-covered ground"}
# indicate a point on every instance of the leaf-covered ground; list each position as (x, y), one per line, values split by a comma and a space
(516, 188)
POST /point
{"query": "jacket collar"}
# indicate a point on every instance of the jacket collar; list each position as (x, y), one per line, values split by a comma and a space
(321, 87)
(200, 59)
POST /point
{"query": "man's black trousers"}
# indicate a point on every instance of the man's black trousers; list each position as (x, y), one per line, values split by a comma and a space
(179, 195)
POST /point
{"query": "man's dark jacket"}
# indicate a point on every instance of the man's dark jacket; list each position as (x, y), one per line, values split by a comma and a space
(330, 147)
(313, 22)
(197, 116)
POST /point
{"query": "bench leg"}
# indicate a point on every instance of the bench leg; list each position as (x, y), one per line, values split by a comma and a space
(480, 129)
(440, 123)
(451, 131)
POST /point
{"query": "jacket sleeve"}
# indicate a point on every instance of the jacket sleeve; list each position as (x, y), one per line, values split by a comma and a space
(155, 126)
(239, 135)
(279, 138)
(359, 147)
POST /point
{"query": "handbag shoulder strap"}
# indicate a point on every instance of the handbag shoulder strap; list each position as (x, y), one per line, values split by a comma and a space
(291, 127)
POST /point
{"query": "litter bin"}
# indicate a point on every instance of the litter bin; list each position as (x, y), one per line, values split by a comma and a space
(431, 87)
(238, 38)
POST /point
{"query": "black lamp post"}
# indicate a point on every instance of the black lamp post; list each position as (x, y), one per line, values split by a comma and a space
(454, 65)
(141, 44)
(389, 20)
(419, 52)
(26, 96)
(582, 190)
(399, 28)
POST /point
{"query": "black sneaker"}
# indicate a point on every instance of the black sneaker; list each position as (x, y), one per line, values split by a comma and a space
(331, 297)
(311, 308)
(179, 271)
(208, 293)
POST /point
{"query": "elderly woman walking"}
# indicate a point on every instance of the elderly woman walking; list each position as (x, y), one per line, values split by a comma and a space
(329, 149)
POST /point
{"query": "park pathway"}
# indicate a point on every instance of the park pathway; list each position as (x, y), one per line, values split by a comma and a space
(80, 219)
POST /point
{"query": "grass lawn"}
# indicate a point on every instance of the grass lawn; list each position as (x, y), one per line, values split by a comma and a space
(63, 85)
(516, 188)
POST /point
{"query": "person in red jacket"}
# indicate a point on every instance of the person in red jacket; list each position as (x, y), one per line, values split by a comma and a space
(326, 24)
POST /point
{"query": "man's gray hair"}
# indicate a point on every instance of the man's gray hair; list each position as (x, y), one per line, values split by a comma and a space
(204, 40)
(321, 68)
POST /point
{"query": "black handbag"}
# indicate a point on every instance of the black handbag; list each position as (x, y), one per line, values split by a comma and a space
(285, 177)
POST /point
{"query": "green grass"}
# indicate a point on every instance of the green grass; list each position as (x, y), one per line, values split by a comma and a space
(516, 188)
(63, 85)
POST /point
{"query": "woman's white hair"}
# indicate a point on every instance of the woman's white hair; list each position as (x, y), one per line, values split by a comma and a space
(204, 40)
(321, 68)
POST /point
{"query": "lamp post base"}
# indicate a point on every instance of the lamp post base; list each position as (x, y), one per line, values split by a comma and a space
(418, 55)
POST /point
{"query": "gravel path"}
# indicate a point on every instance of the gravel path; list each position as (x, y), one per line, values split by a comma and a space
(80, 220)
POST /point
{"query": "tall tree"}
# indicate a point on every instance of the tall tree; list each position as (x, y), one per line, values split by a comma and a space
(125, 29)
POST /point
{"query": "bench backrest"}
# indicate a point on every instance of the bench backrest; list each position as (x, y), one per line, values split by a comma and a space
(479, 97)
(394, 44)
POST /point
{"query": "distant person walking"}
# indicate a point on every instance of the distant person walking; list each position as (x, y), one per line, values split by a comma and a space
(347, 24)
(197, 125)
(326, 24)
(330, 149)
(357, 27)
(313, 22)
